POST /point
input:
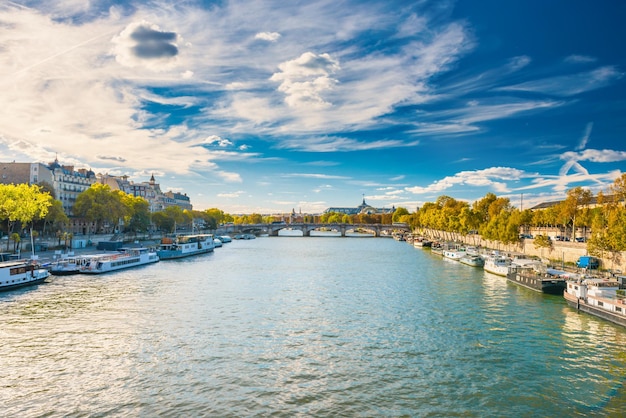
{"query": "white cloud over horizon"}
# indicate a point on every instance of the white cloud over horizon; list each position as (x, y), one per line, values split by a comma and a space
(191, 91)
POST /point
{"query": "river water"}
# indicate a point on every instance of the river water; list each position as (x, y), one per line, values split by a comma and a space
(304, 327)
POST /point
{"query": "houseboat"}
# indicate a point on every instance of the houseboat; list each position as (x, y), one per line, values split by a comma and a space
(597, 297)
(539, 278)
(473, 260)
(421, 242)
(185, 246)
(125, 258)
(497, 264)
(18, 273)
(454, 252)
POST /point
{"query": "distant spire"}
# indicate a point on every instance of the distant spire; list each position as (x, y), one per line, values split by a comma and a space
(152, 180)
(364, 199)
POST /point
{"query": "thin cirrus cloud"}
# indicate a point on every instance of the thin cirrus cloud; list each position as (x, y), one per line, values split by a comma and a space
(571, 84)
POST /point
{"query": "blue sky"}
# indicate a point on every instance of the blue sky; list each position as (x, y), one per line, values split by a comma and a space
(269, 106)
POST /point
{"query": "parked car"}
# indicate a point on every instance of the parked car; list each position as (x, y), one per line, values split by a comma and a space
(581, 239)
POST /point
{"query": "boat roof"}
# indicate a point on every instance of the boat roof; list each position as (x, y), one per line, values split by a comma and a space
(13, 263)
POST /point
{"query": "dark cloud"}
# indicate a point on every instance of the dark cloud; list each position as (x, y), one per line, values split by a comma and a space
(153, 43)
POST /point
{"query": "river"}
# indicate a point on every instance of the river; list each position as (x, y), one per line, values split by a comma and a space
(305, 327)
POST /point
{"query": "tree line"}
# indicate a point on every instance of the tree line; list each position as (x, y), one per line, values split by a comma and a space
(495, 219)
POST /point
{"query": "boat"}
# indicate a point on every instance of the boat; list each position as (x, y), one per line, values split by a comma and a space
(245, 236)
(597, 297)
(473, 260)
(454, 252)
(421, 242)
(436, 248)
(538, 277)
(125, 258)
(66, 266)
(185, 246)
(224, 238)
(18, 273)
(497, 264)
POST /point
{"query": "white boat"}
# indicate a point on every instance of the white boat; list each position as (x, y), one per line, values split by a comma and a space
(497, 264)
(18, 273)
(125, 258)
(224, 238)
(421, 242)
(597, 297)
(185, 246)
(455, 253)
(473, 260)
(66, 266)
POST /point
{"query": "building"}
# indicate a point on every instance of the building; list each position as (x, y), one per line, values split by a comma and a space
(362, 209)
(151, 191)
(66, 182)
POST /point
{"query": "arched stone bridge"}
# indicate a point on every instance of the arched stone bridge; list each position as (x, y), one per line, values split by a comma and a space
(306, 228)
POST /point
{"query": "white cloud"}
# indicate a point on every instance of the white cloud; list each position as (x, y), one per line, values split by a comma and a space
(596, 156)
(570, 85)
(231, 195)
(340, 144)
(267, 36)
(480, 178)
(219, 141)
(304, 79)
(583, 141)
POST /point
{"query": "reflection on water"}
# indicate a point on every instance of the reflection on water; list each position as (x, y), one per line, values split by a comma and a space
(304, 326)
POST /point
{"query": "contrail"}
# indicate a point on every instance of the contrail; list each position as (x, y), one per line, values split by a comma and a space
(58, 54)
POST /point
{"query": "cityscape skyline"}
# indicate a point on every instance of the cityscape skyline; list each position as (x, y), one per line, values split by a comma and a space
(266, 107)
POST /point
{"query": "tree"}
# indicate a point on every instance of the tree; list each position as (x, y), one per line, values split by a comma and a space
(22, 203)
(137, 214)
(98, 204)
(618, 189)
(542, 241)
(55, 217)
(569, 207)
(399, 213)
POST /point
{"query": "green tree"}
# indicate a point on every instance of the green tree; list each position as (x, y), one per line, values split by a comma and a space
(399, 212)
(162, 221)
(56, 217)
(99, 205)
(137, 213)
(541, 242)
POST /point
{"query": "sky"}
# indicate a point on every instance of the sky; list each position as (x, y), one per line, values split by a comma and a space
(273, 106)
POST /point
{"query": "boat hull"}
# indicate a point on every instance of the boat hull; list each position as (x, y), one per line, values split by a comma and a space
(472, 261)
(173, 254)
(581, 305)
(549, 285)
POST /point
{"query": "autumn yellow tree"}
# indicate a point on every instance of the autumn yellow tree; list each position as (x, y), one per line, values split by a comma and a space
(22, 203)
